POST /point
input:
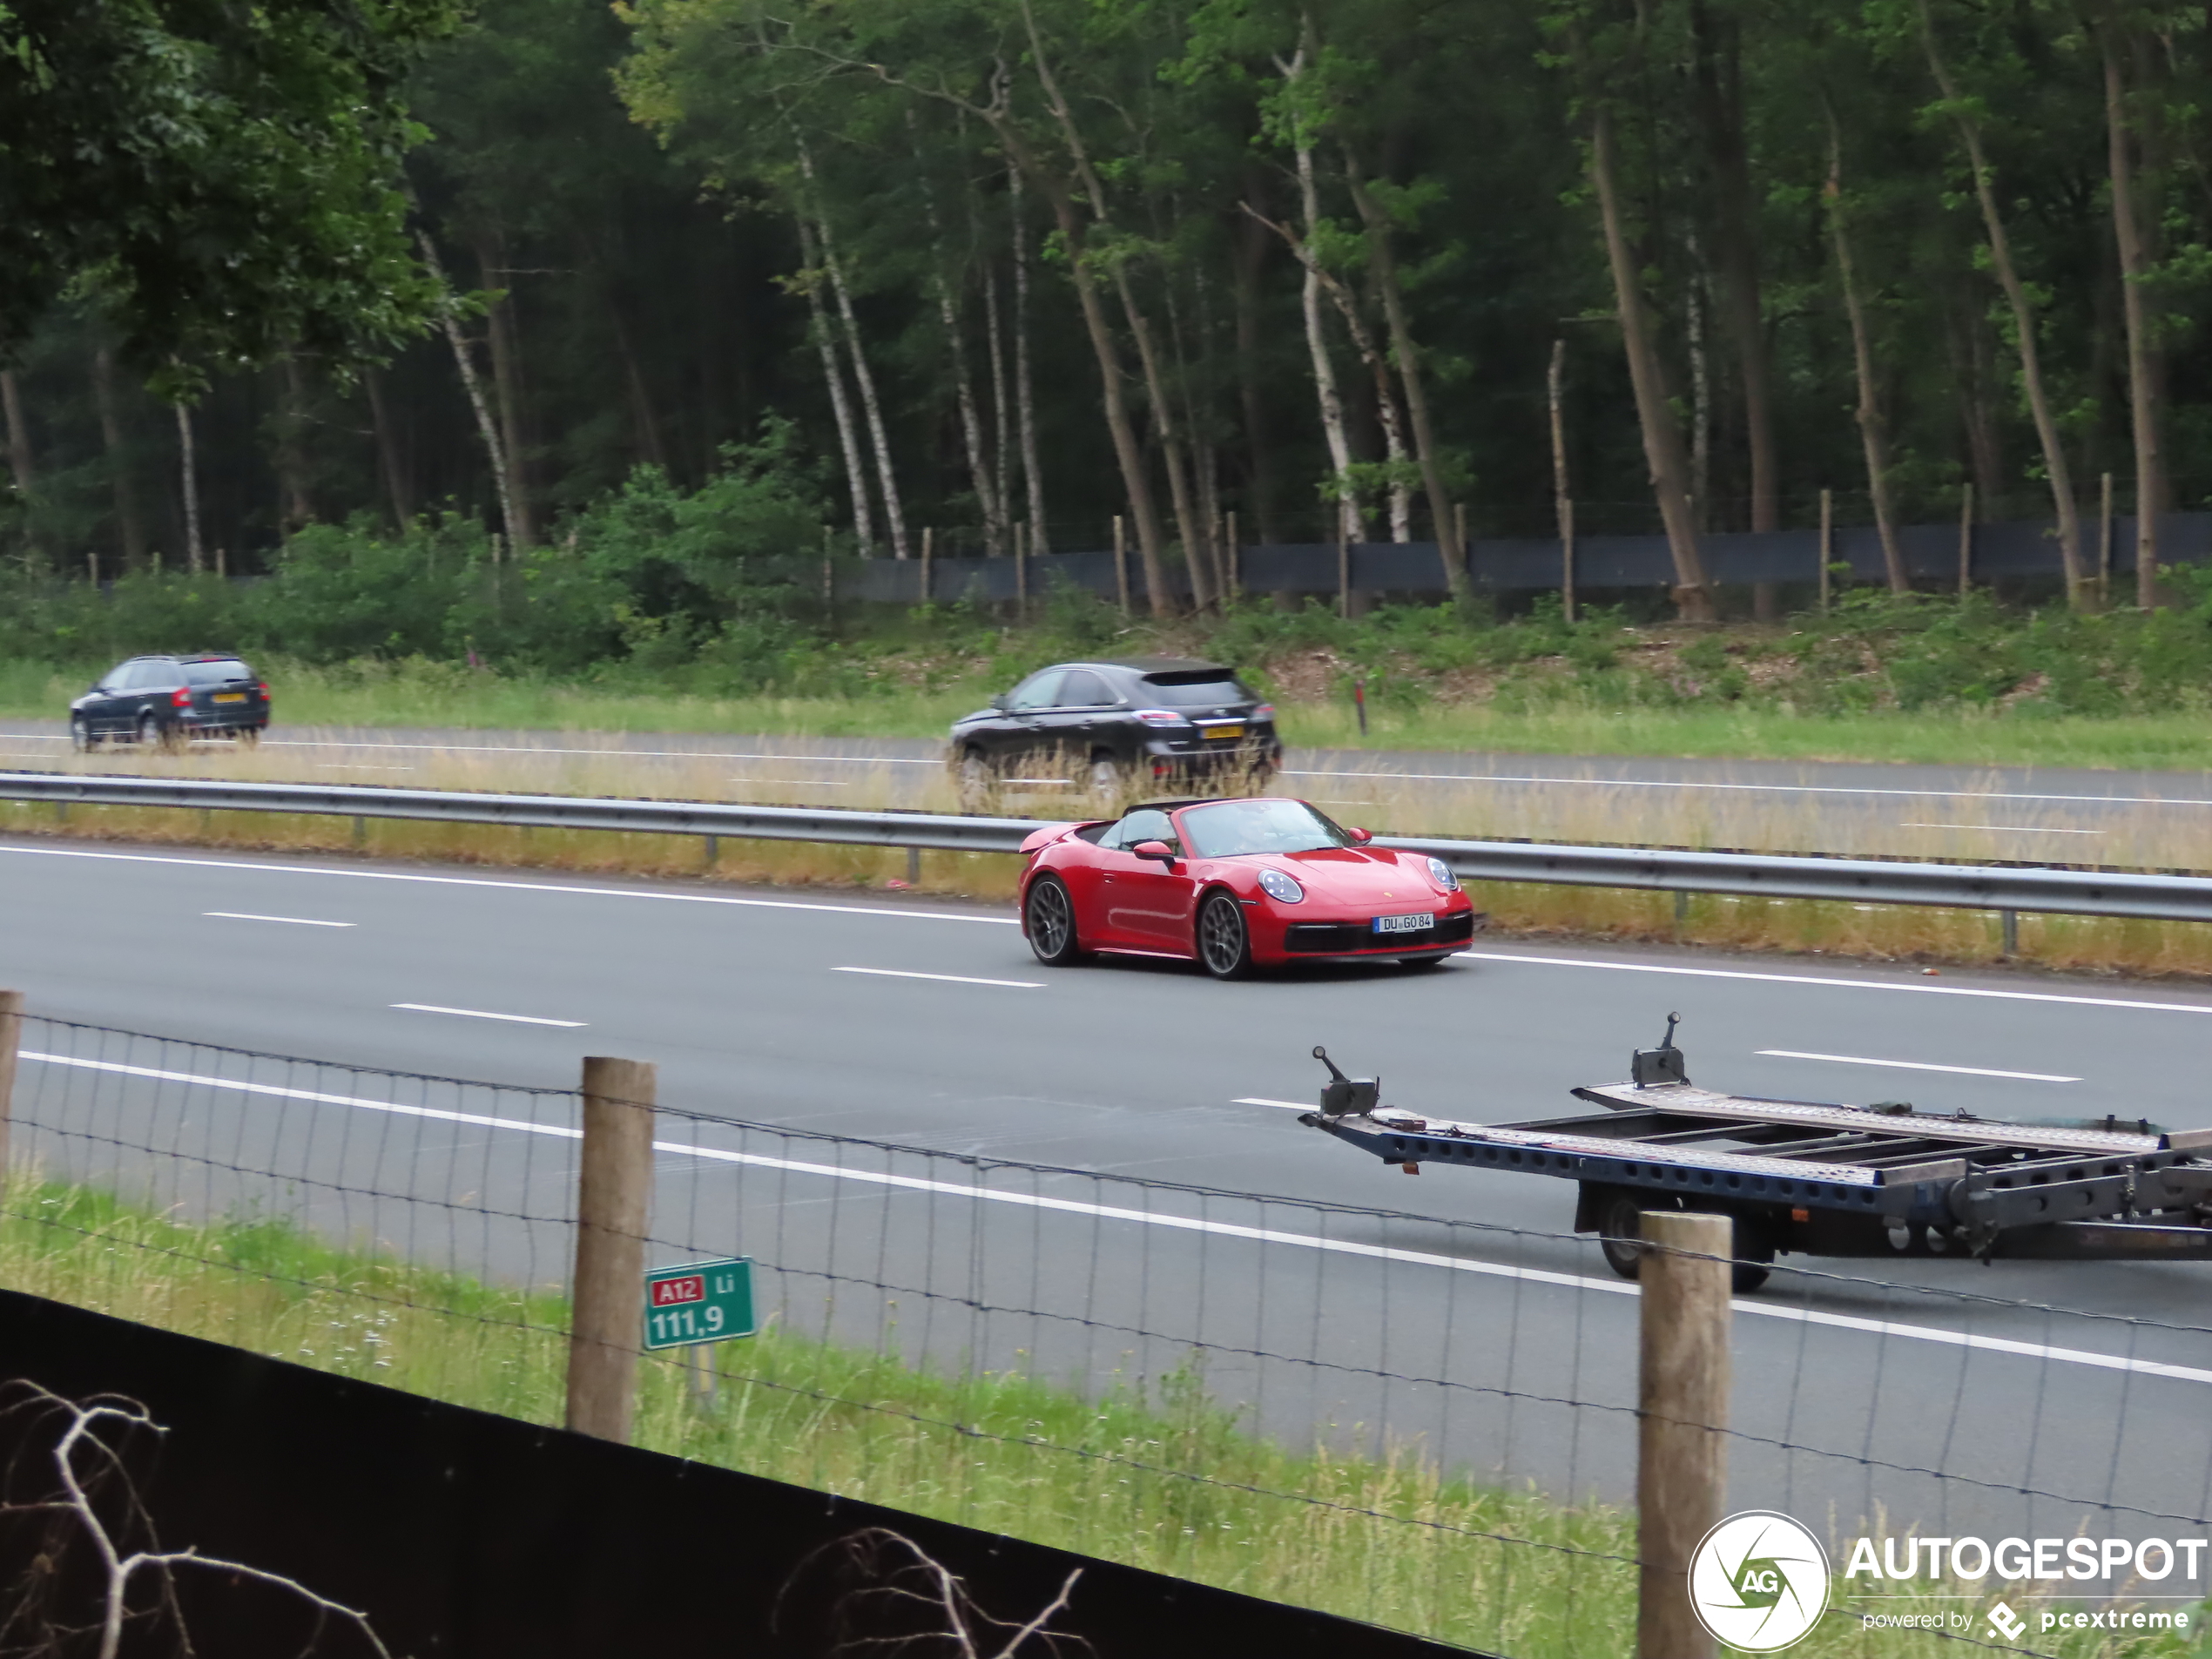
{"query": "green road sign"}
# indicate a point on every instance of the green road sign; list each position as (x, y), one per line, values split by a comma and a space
(699, 1302)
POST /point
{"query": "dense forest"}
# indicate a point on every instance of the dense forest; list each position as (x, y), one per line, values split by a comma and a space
(999, 272)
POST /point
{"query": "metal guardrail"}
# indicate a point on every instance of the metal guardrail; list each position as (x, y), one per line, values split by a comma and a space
(2081, 892)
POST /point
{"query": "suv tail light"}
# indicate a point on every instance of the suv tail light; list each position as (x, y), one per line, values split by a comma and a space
(1265, 711)
(265, 690)
(1161, 716)
(181, 697)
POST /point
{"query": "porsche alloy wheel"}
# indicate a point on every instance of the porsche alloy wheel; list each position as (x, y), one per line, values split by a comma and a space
(1050, 919)
(1106, 782)
(976, 782)
(1225, 943)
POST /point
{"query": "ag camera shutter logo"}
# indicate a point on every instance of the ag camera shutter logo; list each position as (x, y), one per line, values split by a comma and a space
(1759, 1581)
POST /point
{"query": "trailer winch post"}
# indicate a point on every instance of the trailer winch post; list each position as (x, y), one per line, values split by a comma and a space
(1682, 1420)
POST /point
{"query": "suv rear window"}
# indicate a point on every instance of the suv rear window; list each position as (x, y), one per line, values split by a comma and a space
(223, 672)
(1177, 693)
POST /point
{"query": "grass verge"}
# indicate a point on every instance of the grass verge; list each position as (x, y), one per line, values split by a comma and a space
(1394, 1540)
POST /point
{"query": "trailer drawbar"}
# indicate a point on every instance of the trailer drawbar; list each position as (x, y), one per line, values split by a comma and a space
(1886, 1179)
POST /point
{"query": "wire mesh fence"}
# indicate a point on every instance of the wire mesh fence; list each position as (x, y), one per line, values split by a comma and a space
(1429, 1423)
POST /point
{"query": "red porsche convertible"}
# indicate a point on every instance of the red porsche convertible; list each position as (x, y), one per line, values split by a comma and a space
(1236, 884)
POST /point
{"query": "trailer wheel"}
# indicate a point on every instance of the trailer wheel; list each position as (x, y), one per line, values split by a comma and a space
(1620, 1225)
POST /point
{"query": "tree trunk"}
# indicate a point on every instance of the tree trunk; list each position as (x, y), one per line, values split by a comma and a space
(399, 484)
(2001, 259)
(870, 406)
(1661, 437)
(507, 384)
(1024, 389)
(485, 430)
(1250, 258)
(856, 475)
(20, 466)
(188, 471)
(1169, 436)
(1701, 391)
(2143, 377)
(1001, 409)
(129, 524)
(1134, 475)
(296, 492)
(1409, 376)
(971, 426)
(1720, 105)
(1873, 434)
(642, 415)
(1350, 521)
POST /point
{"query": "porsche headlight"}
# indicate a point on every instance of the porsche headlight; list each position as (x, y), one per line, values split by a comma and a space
(1440, 873)
(1281, 888)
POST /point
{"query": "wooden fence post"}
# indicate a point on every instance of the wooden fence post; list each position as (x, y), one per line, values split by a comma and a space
(929, 552)
(10, 1040)
(1235, 556)
(1827, 543)
(614, 1195)
(1344, 571)
(1022, 572)
(2104, 544)
(1567, 556)
(1121, 563)
(1966, 540)
(1682, 1419)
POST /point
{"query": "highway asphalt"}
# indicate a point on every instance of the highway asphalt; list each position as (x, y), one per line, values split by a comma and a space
(1468, 1319)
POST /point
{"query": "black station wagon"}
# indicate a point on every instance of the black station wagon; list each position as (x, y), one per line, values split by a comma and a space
(169, 700)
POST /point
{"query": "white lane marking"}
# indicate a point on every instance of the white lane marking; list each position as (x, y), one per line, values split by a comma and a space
(820, 783)
(353, 765)
(296, 921)
(1792, 789)
(1179, 1224)
(1287, 1105)
(519, 886)
(1845, 984)
(478, 1013)
(534, 749)
(1920, 1065)
(950, 979)
(2004, 829)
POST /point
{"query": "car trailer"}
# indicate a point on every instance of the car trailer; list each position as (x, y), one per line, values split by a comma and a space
(1883, 1180)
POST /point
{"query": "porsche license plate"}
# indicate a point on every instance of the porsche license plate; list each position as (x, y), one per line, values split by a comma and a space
(1217, 733)
(230, 696)
(1418, 922)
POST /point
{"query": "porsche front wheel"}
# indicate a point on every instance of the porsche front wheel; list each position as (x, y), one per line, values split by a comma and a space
(1048, 917)
(1225, 943)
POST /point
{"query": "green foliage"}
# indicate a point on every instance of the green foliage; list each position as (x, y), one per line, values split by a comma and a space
(225, 178)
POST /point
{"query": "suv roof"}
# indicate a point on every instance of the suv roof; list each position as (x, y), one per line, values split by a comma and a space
(1163, 666)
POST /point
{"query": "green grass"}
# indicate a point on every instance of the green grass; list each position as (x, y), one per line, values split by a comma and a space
(1394, 1540)
(417, 694)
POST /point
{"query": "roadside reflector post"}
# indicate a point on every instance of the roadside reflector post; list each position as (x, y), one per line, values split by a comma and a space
(614, 1196)
(10, 1040)
(1682, 1420)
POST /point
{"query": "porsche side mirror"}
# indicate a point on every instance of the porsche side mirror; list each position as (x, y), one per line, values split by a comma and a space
(1359, 837)
(1158, 850)
(1000, 702)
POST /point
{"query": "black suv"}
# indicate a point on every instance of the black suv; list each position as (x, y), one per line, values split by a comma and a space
(1106, 727)
(169, 700)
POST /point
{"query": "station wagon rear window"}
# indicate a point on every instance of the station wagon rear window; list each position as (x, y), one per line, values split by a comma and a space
(217, 673)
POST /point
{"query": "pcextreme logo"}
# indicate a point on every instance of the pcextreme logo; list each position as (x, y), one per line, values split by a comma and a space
(1759, 1581)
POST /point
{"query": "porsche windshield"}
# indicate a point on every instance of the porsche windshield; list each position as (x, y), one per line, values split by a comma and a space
(1229, 827)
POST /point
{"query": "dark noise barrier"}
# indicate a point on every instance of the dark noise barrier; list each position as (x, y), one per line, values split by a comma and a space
(464, 1534)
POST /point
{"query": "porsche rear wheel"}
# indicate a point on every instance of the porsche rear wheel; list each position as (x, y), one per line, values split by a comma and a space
(1048, 917)
(1225, 943)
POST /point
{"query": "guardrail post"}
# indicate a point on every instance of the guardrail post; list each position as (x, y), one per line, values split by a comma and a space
(613, 1194)
(913, 866)
(1682, 1419)
(11, 1041)
(2009, 922)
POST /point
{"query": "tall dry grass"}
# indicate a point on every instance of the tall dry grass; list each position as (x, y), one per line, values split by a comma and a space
(1971, 827)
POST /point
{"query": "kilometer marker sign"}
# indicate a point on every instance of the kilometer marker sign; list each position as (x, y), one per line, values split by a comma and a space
(699, 1302)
